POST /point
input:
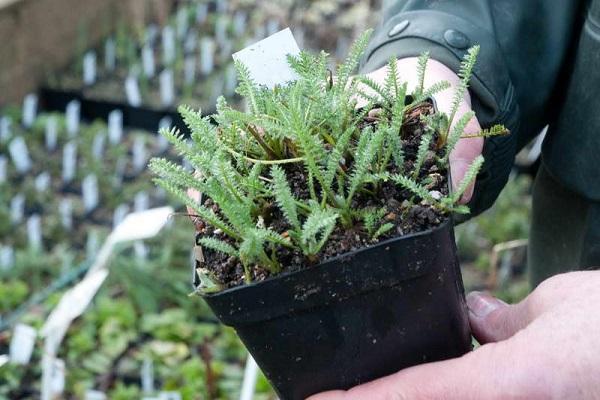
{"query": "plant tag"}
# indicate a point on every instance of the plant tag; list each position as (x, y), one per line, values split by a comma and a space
(141, 202)
(230, 80)
(94, 395)
(182, 21)
(17, 208)
(267, 59)
(34, 232)
(89, 68)
(162, 143)
(73, 116)
(65, 209)
(189, 70)
(132, 91)
(169, 396)
(51, 133)
(207, 55)
(98, 145)
(201, 12)
(221, 25)
(142, 225)
(89, 189)
(222, 6)
(42, 182)
(147, 375)
(226, 49)
(115, 126)
(140, 250)
(7, 257)
(5, 129)
(22, 343)
(191, 42)
(30, 104)
(19, 155)
(3, 168)
(167, 87)
(239, 23)
(139, 154)
(69, 162)
(148, 61)
(92, 244)
(119, 214)
(110, 54)
(168, 44)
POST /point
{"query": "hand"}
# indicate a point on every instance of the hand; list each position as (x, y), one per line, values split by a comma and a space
(545, 347)
(467, 149)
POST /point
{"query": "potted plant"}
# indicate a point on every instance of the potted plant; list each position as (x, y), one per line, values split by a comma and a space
(325, 233)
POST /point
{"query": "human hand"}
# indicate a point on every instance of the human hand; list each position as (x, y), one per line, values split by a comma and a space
(545, 347)
(466, 150)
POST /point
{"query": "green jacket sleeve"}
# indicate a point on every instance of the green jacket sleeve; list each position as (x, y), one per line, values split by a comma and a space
(523, 48)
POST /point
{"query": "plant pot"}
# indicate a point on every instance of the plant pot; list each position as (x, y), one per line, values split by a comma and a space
(353, 318)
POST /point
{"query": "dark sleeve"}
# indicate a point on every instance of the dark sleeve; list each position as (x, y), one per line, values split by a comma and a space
(523, 48)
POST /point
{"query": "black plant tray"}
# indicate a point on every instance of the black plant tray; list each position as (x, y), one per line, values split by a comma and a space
(91, 109)
(354, 318)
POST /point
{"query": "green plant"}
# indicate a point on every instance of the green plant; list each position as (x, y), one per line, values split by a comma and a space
(303, 162)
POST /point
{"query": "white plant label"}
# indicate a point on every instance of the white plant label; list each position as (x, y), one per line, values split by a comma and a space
(182, 22)
(267, 59)
(3, 169)
(89, 68)
(230, 80)
(142, 225)
(110, 54)
(98, 145)
(94, 395)
(89, 189)
(65, 209)
(42, 182)
(239, 23)
(221, 25)
(73, 115)
(201, 12)
(5, 129)
(191, 42)
(92, 244)
(22, 343)
(162, 143)
(54, 385)
(119, 214)
(34, 232)
(189, 70)
(141, 202)
(30, 104)
(169, 396)
(207, 55)
(69, 162)
(151, 34)
(19, 155)
(139, 154)
(7, 258)
(51, 133)
(148, 61)
(222, 6)
(168, 43)
(115, 126)
(226, 49)
(147, 375)
(140, 250)
(17, 208)
(132, 91)
(167, 87)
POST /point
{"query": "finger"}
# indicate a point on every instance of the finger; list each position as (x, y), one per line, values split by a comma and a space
(461, 158)
(473, 376)
(492, 320)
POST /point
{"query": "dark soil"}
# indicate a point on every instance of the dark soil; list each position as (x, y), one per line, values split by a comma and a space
(407, 215)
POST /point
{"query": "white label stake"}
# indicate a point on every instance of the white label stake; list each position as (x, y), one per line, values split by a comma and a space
(115, 126)
(132, 91)
(267, 59)
(89, 68)
(22, 343)
(29, 109)
(73, 116)
(167, 87)
(69, 162)
(89, 189)
(168, 43)
(148, 61)
(19, 155)
(51, 133)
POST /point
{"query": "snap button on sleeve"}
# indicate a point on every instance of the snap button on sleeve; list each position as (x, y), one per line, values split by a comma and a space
(456, 39)
(399, 27)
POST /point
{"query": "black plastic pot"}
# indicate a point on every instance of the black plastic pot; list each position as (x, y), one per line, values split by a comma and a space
(354, 318)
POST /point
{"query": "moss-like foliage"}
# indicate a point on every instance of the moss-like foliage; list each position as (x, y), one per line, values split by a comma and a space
(312, 125)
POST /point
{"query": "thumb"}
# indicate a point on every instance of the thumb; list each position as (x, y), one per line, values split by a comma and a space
(492, 320)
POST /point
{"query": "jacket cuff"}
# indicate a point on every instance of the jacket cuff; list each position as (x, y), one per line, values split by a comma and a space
(447, 38)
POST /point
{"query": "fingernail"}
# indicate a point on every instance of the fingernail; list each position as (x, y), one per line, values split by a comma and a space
(482, 304)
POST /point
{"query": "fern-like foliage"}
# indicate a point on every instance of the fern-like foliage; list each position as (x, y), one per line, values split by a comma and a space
(303, 163)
